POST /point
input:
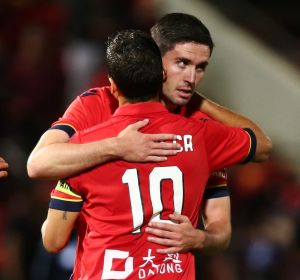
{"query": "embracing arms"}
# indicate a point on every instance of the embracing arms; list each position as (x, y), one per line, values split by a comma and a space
(183, 237)
(54, 158)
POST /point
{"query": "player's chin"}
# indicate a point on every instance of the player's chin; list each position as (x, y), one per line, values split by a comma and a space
(182, 101)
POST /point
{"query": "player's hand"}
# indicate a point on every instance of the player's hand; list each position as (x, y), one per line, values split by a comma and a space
(136, 146)
(3, 167)
(178, 238)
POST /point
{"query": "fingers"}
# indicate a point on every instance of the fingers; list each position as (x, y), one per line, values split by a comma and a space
(159, 142)
(161, 241)
(161, 229)
(159, 155)
(3, 165)
(3, 173)
(162, 137)
(155, 137)
(171, 250)
(155, 159)
(166, 146)
(2, 160)
(177, 218)
(151, 147)
(138, 125)
(164, 236)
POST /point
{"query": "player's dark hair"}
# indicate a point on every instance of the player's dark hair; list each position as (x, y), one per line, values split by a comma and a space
(134, 63)
(176, 28)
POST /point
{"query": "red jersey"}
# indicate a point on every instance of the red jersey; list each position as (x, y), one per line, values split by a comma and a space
(92, 107)
(97, 105)
(120, 198)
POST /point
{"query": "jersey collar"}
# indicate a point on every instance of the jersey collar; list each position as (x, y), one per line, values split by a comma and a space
(142, 108)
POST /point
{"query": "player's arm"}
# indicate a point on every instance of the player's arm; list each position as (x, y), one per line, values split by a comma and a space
(3, 168)
(183, 237)
(64, 208)
(216, 213)
(230, 118)
(55, 158)
(57, 228)
(179, 237)
(216, 218)
(216, 234)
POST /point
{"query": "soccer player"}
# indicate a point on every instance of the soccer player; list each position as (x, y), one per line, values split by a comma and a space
(3, 168)
(176, 34)
(112, 204)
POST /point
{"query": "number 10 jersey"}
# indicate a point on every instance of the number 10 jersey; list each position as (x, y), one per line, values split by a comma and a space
(120, 198)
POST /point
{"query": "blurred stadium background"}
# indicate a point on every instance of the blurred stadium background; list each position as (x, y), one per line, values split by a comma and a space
(52, 50)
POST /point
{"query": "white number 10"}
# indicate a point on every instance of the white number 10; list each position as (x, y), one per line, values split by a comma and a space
(157, 175)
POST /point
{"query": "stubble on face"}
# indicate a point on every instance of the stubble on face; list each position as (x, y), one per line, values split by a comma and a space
(184, 66)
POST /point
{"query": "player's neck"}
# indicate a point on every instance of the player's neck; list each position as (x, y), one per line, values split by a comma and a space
(169, 105)
(125, 101)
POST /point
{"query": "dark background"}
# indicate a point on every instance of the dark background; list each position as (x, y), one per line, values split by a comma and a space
(50, 51)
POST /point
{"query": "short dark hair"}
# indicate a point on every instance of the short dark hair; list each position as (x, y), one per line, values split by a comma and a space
(176, 28)
(134, 63)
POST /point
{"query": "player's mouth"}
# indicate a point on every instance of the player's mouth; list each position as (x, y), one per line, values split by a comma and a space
(184, 92)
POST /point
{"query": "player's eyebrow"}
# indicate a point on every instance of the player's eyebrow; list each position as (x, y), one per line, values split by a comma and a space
(202, 65)
(188, 61)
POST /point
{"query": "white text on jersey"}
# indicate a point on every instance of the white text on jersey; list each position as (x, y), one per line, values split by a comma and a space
(186, 142)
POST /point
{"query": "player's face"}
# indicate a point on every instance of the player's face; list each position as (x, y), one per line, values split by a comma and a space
(184, 68)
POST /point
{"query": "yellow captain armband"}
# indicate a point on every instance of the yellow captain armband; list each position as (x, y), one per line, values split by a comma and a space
(63, 187)
(63, 197)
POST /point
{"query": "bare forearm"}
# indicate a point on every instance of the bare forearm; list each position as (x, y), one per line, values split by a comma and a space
(57, 228)
(217, 239)
(55, 158)
(60, 160)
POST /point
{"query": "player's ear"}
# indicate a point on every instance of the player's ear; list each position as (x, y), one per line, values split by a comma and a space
(113, 88)
(164, 75)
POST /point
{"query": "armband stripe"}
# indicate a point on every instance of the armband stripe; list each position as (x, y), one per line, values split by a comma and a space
(253, 144)
(65, 205)
(216, 192)
(66, 199)
(65, 196)
(70, 130)
(216, 186)
(64, 187)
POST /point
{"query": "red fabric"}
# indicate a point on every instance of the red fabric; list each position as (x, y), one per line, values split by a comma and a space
(109, 211)
(90, 108)
(217, 179)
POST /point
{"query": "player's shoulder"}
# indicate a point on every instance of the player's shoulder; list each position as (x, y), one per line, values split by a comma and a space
(97, 91)
(97, 132)
(100, 96)
(192, 124)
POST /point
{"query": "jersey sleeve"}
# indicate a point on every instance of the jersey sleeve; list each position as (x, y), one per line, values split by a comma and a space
(65, 198)
(228, 145)
(83, 112)
(217, 185)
